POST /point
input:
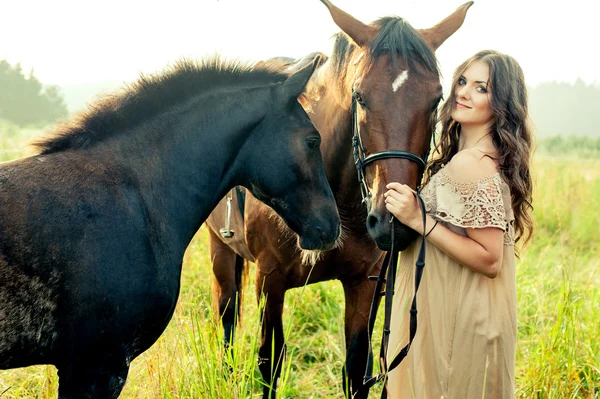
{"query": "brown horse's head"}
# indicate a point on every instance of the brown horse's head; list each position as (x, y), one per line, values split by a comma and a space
(392, 71)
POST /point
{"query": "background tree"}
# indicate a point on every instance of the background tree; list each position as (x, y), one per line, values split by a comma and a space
(559, 108)
(24, 99)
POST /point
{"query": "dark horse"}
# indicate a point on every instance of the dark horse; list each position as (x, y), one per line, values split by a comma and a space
(392, 71)
(93, 229)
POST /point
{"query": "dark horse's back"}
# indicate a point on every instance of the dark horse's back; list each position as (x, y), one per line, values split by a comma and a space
(50, 234)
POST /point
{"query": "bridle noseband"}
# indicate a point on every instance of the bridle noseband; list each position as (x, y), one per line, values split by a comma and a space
(361, 160)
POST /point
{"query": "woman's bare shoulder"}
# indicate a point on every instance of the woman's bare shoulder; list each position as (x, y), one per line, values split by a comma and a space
(471, 164)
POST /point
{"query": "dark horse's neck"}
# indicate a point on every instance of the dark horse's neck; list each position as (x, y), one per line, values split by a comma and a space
(189, 157)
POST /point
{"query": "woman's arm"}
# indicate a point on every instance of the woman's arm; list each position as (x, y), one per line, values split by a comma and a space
(481, 251)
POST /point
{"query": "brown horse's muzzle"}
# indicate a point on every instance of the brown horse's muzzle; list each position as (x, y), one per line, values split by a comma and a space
(379, 225)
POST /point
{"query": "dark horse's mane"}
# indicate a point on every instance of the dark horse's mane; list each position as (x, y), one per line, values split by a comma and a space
(396, 37)
(152, 95)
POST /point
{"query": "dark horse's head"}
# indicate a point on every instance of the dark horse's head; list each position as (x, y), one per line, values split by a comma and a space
(285, 168)
(391, 71)
(244, 122)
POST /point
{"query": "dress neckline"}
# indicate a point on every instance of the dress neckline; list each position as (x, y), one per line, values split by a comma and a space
(494, 176)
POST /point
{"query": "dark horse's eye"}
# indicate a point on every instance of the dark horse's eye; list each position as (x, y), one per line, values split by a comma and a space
(313, 142)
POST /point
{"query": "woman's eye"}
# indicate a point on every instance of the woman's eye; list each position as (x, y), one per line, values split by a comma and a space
(481, 89)
(461, 81)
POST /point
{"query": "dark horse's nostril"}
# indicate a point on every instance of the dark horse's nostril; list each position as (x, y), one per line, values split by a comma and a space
(320, 233)
(372, 221)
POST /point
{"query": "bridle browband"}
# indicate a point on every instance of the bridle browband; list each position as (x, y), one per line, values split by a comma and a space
(389, 266)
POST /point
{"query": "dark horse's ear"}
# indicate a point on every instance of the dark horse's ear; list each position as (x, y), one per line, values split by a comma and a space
(436, 35)
(358, 31)
(294, 85)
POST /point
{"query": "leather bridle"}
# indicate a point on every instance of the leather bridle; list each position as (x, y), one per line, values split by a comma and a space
(361, 160)
(389, 266)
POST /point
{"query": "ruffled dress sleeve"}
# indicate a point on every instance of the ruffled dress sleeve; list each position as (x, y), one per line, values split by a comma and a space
(480, 203)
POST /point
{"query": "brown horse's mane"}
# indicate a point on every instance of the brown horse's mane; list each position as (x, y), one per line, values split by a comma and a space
(396, 37)
(151, 96)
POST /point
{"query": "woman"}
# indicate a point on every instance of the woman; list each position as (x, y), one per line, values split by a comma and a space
(478, 202)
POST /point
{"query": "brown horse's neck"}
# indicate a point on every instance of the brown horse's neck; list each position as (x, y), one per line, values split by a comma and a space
(331, 113)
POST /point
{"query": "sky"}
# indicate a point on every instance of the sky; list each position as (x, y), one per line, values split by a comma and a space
(82, 41)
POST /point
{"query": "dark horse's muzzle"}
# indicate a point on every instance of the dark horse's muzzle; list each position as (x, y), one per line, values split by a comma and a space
(320, 237)
(316, 223)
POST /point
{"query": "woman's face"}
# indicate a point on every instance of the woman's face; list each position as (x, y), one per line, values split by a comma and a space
(473, 96)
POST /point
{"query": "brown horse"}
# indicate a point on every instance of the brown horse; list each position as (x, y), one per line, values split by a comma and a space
(389, 70)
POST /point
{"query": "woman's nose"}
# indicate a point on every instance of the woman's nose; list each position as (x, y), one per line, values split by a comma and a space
(462, 92)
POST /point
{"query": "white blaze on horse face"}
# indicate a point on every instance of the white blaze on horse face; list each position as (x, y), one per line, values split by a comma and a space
(358, 58)
(399, 80)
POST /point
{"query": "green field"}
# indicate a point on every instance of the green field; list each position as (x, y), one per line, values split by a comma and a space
(558, 290)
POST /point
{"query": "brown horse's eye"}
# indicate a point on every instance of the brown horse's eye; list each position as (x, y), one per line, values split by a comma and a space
(359, 98)
(436, 104)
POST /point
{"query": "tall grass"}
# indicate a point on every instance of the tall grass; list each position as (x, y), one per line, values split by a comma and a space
(558, 349)
(559, 285)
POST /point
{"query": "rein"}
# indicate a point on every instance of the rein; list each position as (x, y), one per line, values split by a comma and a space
(390, 263)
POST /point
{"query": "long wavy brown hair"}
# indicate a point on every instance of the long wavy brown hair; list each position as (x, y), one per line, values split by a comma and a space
(510, 132)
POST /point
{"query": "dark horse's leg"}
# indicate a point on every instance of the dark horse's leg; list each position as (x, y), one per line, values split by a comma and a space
(227, 266)
(358, 295)
(87, 380)
(273, 286)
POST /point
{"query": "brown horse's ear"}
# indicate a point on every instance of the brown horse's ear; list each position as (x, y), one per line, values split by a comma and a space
(359, 32)
(436, 35)
(294, 85)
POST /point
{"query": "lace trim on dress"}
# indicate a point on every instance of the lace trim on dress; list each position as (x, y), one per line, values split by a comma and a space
(471, 204)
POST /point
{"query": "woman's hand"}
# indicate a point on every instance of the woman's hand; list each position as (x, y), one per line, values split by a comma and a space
(401, 202)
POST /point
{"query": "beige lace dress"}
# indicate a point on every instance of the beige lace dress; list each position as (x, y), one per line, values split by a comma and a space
(466, 336)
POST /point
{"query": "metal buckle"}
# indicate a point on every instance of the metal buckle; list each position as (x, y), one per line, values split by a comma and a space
(226, 232)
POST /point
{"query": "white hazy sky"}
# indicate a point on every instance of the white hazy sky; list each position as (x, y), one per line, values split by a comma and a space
(76, 41)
